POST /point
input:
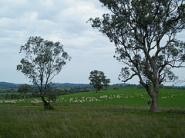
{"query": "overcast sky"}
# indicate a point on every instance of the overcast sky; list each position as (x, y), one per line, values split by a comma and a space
(56, 20)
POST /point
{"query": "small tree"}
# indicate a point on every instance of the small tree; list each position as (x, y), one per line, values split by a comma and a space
(144, 33)
(98, 80)
(42, 62)
(24, 89)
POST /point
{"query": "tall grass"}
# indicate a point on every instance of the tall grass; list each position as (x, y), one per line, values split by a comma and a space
(125, 115)
(88, 121)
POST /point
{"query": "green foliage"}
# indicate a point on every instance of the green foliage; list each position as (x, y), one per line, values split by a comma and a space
(24, 89)
(42, 61)
(144, 33)
(138, 29)
(52, 94)
(98, 80)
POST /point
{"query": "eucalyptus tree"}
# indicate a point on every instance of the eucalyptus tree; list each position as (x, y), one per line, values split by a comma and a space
(145, 36)
(98, 80)
(42, 61)
(24, 89)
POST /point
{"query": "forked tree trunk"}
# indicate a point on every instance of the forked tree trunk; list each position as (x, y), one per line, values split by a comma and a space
(46, 104)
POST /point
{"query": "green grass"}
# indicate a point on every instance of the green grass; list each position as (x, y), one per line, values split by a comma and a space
(125, 115)
(135, 97)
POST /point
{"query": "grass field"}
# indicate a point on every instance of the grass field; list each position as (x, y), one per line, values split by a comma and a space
(109, 114)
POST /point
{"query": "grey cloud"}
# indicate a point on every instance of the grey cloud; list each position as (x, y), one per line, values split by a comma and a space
(57, 20)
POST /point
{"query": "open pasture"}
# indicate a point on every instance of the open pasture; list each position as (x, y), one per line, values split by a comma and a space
(109, 114)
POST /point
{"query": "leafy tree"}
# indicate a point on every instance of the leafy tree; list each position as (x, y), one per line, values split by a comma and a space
(24, 89)
(98, 80)
(43, 60)
(145, 35)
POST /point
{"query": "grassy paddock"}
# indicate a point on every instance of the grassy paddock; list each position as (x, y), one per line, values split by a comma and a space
(131, 96)
(110, 116)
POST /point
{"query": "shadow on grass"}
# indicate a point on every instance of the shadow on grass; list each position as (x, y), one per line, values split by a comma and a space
(139, 110)
(146, 110)
(176, 111)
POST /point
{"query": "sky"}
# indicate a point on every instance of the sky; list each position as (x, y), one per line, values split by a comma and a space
(57, 20)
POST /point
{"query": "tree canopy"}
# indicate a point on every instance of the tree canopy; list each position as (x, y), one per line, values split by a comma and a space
(98, 80)
(145, 35)
(42, 61)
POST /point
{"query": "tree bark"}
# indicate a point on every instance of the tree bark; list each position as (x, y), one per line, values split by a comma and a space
(46, 104)
(154, 103)
(154, 92)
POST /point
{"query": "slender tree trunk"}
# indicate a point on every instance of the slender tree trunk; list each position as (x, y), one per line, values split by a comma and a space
(46, 104)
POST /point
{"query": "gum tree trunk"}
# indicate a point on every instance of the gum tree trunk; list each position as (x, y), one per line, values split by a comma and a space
(154, 103)
(154, 92)
(46, 104)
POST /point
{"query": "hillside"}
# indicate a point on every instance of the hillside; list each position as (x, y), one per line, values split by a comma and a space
(69, 85)
(8, 85)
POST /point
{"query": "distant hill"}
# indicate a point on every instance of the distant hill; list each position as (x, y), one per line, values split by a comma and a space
(69, 85)
(7, 85)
